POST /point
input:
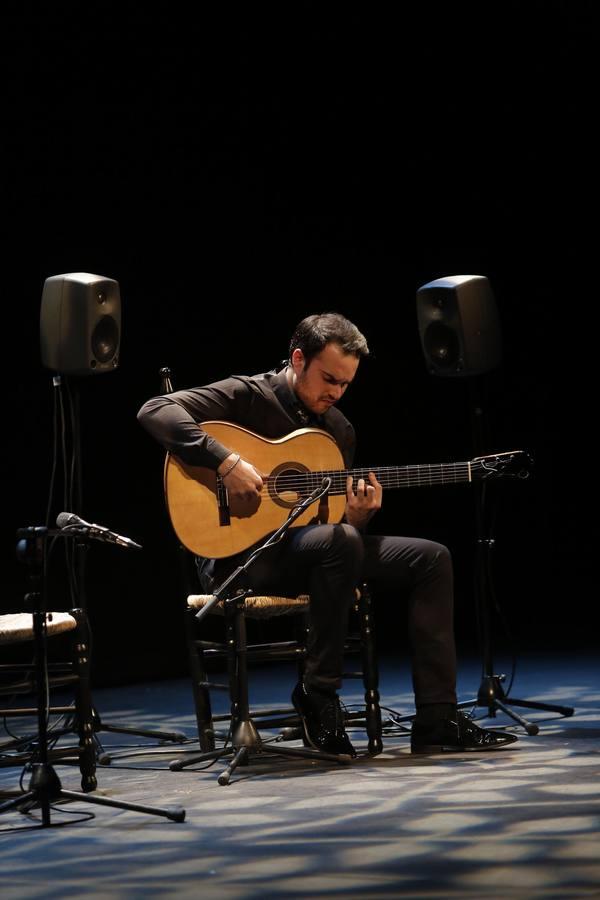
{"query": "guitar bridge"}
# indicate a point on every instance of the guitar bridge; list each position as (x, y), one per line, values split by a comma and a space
(223, 503)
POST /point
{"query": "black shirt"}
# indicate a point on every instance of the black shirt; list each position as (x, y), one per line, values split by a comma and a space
(264, 404)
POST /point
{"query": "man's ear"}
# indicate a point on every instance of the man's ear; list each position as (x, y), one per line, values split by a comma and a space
(297, 360)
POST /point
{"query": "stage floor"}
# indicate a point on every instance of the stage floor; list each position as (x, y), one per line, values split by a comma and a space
(523, 822)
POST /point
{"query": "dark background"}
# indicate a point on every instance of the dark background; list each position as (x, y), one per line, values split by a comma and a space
(237, 171)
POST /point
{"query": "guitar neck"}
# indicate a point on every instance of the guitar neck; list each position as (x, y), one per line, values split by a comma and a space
(424, 475)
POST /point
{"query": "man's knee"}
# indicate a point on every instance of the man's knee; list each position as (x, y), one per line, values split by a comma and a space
(427, 557)
(437, 557)
(350, 538)
(347, 543)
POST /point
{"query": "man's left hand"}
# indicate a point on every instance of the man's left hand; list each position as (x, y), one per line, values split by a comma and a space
(363, 503)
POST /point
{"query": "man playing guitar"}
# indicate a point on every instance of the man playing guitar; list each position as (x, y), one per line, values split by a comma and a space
(232, 467)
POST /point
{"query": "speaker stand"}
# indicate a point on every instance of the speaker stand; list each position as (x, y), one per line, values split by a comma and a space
(491, 694)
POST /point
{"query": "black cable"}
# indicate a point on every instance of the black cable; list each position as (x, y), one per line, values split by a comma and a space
(83, 817)
(56, 382)
(155, 768)
(75, 499)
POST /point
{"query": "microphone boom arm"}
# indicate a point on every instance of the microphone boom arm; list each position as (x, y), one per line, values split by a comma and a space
(274, 538)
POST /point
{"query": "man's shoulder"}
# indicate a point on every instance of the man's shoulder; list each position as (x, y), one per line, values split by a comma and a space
(262, 383)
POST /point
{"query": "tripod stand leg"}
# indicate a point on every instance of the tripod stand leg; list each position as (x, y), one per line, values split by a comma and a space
(238, 760)
(178, 764)
(308, 753)
(174, 813)
(491, 694)
(549, 707)
(105, 758)
(493, 704)
(45, 787)
(529, 727)
(175, 737)
(23, 799)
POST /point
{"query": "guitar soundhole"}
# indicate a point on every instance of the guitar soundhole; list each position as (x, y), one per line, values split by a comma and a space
(287, 484)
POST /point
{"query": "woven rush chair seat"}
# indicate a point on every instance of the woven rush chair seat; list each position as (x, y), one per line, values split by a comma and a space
(19, 626)
(259, 607)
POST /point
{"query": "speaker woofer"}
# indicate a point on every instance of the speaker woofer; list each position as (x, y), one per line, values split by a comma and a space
(442, 345)
(105, 340)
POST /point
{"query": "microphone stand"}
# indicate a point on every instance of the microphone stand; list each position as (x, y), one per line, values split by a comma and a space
(245, 737)
(83, 536)
(45, 787)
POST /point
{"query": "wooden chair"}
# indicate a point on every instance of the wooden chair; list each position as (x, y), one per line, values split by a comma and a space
(244, 725)
(18, 679)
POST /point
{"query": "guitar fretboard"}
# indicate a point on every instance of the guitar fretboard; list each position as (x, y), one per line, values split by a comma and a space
(423, 475)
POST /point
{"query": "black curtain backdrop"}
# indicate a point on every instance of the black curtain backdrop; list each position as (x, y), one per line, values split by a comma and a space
(238, 170)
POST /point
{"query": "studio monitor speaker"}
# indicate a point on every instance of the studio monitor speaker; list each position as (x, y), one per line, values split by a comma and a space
(80, 324)
(459, 325)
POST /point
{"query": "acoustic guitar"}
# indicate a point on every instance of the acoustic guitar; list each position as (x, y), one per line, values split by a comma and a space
(210, 523)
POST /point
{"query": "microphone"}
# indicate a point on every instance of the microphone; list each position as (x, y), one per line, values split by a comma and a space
(73, 522)
(318, 492)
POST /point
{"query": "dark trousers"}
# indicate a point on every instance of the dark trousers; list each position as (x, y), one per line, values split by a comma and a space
(329, 561)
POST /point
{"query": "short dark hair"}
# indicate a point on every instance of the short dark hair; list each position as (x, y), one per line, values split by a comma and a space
(314, 332)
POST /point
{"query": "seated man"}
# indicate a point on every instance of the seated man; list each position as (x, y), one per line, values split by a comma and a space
(327, 560)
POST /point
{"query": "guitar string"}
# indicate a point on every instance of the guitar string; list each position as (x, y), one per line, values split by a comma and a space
(424, 472)
(414, 475)
(299, 481)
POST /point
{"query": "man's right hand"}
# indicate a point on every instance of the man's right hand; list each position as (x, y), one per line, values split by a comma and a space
(243, 481)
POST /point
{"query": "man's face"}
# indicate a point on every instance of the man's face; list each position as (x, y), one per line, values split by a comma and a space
(320, 383)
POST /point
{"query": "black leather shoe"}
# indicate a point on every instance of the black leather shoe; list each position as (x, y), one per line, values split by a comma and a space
(322, 721)
(456, 735)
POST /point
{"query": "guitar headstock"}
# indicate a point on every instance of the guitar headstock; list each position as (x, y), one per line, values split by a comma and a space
(511, 463)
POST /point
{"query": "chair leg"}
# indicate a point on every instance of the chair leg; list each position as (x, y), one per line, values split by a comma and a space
(200, 690)
(83, 702)
(370, 672)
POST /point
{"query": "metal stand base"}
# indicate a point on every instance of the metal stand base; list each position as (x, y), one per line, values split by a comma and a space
(247, 743)
(45, 788)
(491, 695)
